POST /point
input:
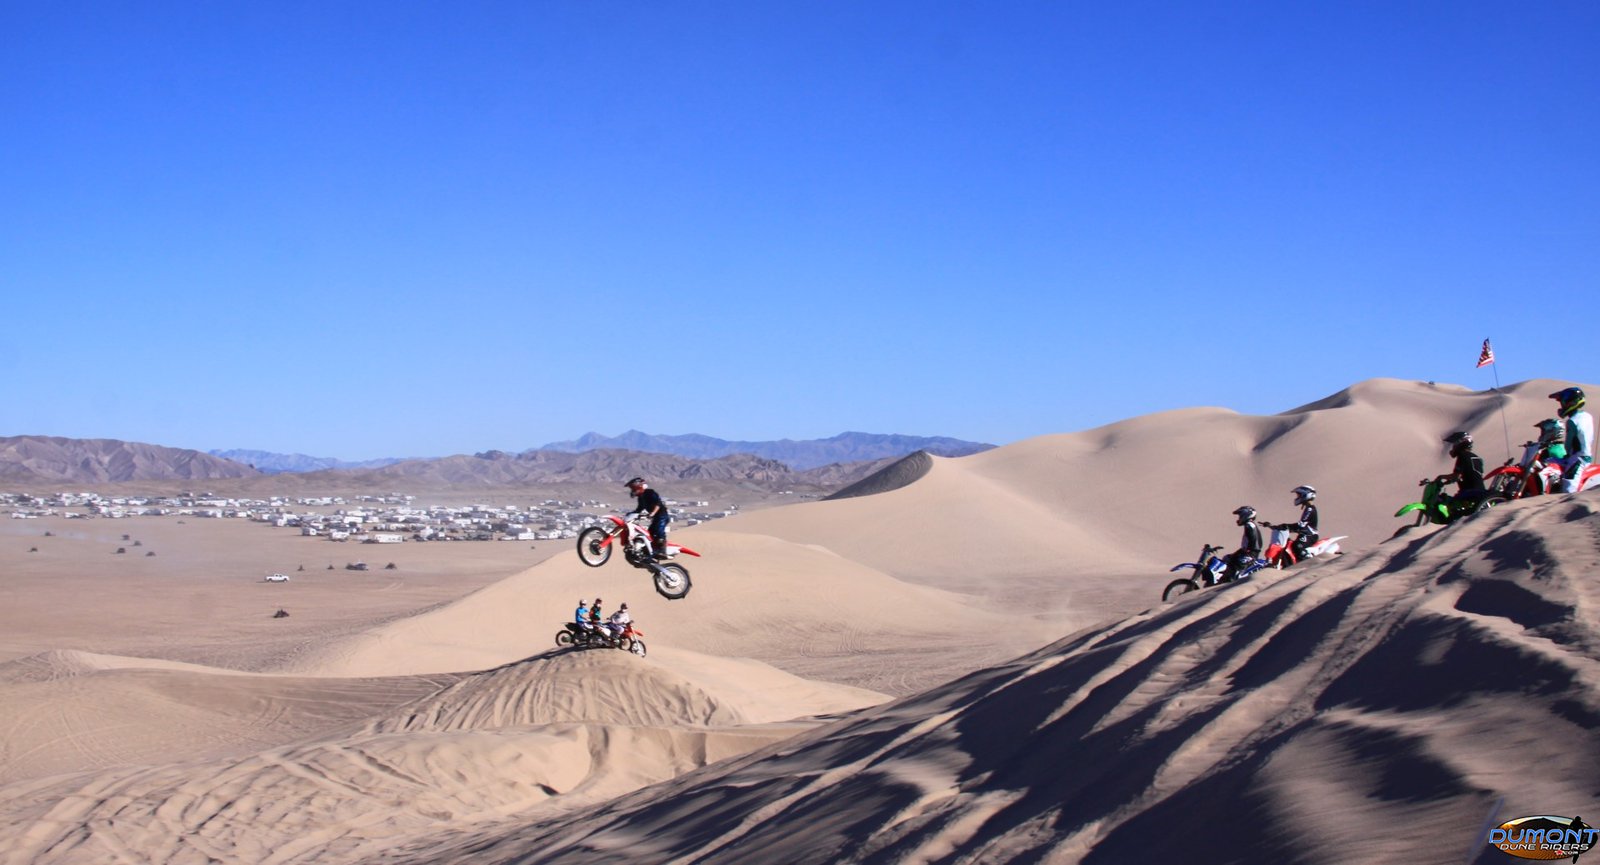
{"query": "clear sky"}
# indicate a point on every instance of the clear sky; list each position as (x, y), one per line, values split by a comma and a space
(364, 229)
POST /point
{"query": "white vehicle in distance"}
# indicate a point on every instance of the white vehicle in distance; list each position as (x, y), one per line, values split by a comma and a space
(277, 578)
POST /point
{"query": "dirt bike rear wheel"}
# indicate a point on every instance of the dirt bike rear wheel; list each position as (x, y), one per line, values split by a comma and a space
(590, 549)
(1178, 587)
(563, 638)
(1489, 502)
(672, 580)
(636, 646)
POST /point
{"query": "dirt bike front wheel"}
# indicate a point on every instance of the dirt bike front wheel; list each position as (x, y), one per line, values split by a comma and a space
(636, 646)
(1178, 587)
(563, 639)
(592, 547)
(672, 581)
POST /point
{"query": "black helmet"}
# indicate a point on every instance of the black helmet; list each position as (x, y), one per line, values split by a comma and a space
(624, 606)
(1571, 400)
(1458, 442)
(1245, 514)
(1304, 494)
(635, 485)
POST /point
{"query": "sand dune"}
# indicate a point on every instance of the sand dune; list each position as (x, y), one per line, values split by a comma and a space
(72, 711)
(559, 730)
(610, 687)
(797, 606)
(1085, 525)
(1370, 708)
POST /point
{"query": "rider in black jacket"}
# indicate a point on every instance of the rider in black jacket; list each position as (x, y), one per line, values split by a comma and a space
(1468, 472)
(650, 503)
(1249, 543)
(1305, 531)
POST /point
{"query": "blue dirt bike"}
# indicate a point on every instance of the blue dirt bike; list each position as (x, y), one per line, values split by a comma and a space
(1208, 569)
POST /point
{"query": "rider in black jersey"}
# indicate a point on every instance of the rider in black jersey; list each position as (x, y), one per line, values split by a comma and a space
(1305, 531)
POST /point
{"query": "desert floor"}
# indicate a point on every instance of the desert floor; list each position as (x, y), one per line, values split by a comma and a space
(191, 589)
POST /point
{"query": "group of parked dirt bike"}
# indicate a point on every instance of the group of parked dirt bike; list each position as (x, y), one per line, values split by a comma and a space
(1536, 473)
(596, 637)
(1211, 569)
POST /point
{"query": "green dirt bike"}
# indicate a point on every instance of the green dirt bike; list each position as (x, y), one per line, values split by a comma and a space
(1440, 509)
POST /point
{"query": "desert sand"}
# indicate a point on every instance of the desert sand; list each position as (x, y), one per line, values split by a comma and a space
(970, 665)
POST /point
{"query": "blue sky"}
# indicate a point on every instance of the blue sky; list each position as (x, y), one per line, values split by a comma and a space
(394, 229)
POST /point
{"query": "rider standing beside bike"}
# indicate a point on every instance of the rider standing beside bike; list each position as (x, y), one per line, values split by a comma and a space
(1249, 544)
(1579, 438)
(1305, 531)
(650, 503)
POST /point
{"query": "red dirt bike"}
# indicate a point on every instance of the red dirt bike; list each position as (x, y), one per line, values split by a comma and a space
(585, 637)
(595, 544)
(1534, 476)
(1281, 553)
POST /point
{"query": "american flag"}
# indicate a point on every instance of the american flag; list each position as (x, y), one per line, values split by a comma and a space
(1486, 356)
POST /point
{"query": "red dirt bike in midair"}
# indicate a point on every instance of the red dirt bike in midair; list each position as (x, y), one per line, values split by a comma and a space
(596, 543)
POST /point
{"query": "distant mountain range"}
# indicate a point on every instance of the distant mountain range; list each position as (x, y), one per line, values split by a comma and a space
(802, 455)
(52, 459)
(846, 447)
(829, 463)
(612, 467)
(270, 463)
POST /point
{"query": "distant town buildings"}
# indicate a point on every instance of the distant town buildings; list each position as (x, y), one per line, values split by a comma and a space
(386, 519)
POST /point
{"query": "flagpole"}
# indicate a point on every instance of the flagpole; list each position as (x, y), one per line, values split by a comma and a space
(1487, 352)
(1503, 400)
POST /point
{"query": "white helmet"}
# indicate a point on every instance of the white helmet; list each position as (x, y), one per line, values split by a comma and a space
(1304, 494)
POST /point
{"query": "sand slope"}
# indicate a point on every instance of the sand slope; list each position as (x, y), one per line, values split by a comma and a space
(558, 730)
(1085, 525)
(71, 711)
(1370, 710)
(797, 606)
(980, 557)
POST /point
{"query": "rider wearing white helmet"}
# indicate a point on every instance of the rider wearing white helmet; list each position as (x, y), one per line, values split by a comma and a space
(619, 621)
(1305, 531)
(1579, 437)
